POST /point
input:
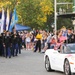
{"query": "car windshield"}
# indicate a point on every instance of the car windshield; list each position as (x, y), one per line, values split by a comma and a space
(70, 48)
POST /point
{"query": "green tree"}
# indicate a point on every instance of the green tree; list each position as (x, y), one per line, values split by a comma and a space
(34, 13)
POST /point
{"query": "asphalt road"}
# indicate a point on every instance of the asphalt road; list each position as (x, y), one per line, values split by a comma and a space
(27, 63)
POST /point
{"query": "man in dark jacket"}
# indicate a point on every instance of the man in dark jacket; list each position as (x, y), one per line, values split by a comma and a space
(70, 36)
(8, 44)
(19, 42)
(15, 44)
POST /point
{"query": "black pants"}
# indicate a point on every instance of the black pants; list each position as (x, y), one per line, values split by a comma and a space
(48, 45)
(19, 48)
(1, 50)
(8, 51)
(38, 45)
(23, 43)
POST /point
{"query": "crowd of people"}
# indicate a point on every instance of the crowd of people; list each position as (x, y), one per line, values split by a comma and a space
(12, 43)
(54, 40)
(41, 40)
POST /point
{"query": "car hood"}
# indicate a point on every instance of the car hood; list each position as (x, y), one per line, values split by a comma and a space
(71, 56)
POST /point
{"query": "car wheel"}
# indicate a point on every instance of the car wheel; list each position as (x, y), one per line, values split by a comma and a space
(47, 64)
(67, 70)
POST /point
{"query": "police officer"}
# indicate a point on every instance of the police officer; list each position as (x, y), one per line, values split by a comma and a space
(15, 44)
(8, 44)
(19, 43)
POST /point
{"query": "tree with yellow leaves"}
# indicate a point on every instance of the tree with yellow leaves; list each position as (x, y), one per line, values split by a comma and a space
(30, 12)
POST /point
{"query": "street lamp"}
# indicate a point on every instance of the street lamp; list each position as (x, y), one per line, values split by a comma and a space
(53, 26)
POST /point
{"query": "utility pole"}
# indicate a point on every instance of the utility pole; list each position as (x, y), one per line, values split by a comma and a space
(55, 16)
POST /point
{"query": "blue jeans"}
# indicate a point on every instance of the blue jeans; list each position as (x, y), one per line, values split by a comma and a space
(8, 52)
(15, 49)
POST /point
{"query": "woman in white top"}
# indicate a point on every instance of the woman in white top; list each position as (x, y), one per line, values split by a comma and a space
(28, 40)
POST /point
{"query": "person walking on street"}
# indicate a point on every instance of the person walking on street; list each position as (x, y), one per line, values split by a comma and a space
(38, 43)
(8, 44)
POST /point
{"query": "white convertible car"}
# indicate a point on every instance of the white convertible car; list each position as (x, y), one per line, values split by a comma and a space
(61, 60)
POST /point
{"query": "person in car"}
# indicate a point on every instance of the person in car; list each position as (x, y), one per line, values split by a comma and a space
(60, 40)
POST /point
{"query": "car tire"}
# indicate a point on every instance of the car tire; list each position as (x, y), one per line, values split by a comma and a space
(67, 70)
(47, 64)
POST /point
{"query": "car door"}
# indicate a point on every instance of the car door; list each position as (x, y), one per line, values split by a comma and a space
(53, 59)
(58, 59)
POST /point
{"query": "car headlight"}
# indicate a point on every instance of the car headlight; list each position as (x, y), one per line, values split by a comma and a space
(71, 62)
(73, 59)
